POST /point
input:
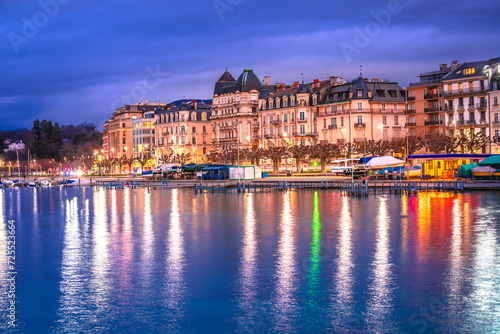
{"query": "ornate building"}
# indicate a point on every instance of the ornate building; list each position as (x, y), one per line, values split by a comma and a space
(184, 129)
(362, 110)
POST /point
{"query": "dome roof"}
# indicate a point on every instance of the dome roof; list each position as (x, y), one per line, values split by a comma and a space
(303, 88)
(248, 81)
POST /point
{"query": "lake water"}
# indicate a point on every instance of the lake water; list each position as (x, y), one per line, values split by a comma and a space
(296, 262)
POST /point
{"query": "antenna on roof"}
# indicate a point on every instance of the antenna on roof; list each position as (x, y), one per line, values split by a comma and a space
(361, 70)
(302, 77)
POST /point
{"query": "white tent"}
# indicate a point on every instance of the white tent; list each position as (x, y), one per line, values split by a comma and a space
(245, 173)
(383, 162)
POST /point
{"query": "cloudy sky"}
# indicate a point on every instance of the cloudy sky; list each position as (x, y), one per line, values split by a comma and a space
(72, 61)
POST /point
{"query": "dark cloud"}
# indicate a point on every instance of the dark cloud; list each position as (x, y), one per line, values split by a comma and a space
(91, 54)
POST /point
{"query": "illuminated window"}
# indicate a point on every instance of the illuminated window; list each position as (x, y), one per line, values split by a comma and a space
(449, 88)
(469, 71)
(460, 86)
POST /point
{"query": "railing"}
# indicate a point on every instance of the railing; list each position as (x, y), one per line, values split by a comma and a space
(359, 140)
(481, 105)
(269, 136)
(302, 120)
(496, 123)
(410, 124)
(332, 126)
(433, 122)
(411, 111)
(255, 125)
(433, 109)
(432, 96)
(305, 134)
(411, 98)
(471, 122)
(466, 91)
(257, 137)
(340, 141)
(359, 125)
(428, 83)
(275, 122)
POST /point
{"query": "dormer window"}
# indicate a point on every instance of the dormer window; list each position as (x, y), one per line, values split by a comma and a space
(469, 71)
(277, 103)
(360, 93)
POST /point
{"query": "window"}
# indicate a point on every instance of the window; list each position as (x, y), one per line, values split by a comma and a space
(461, 117)
(277, 117)
(334, 122)
(265, 131)
(360, 93)
(341, 121)
(461, 102)
(293, 128)
(360, 106)
(469, 71)
(360, 119)
(302, 116)
(384, 120)
(324, 123)
(383, 106)
(471, 101)
(123, 140)
(495, 101)
(204, 129)
(495, 117)
(203, 117)
(450, 119)
(460, 86)
(343, 107)
(285, 129)
(263, 119)
(483, 116)
(271, 131)
(123, 125)
(449, 88)
(395, 107)
(396, 120)
(285, 118)
(471, 116)
(496, 133)
(302, 129)
(183, 129)
(271, 118)
(193, 130)
(471, 86)
(293, 116)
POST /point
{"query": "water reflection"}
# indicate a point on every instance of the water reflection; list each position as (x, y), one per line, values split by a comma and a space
(3, 253)
(484, 303)
(250, 319)
(343, 303)
(73, 279)
(380, 304)
(455, 276)
(314, 271)
(175, 287)
(285, 303)
(100, 276)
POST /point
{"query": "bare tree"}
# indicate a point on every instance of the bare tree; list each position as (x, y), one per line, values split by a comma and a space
(299, 153)
(253, 155)
(275, 154)
(474, 141)
(446, 144)
(324, 152)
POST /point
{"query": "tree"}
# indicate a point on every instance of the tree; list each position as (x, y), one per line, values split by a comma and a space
(299, 153)
(2, 145)
(443, 143)
(253, 155)
(275, 154)
(474, 141)
(142, 161)
(324, 152)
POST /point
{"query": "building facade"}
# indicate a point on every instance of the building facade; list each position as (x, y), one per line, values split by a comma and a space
(466, 90)
(184, 129)
(144, 135)
(362, 110)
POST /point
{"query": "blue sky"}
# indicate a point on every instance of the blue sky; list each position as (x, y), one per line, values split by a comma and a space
(72, 61)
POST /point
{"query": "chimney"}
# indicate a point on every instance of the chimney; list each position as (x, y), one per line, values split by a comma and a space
(443, 67)
(172, 105)
(369, 94)
(280, 88)
(194, 104)
(146, 101)
(375, 80)
(296, 84)
(315, 83)
(268, 79)
(454, 65)
(182, 102)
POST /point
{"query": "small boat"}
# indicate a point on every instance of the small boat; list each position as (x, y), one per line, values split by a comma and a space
(9, 183)
(46, 183)
(483, 172)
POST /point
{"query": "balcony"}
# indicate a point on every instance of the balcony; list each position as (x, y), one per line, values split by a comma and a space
(332, 126)
(359, 140)
(359, 125)
(431, 136)
(432, 96)
(432, 110)
(433, 122)
(302, 120)
(495, 124)
(275, 122)
(305, 134)
(269, 136)
(482, 105)
(465, 92)
(255, 125)
(411, 111)
(257, 137)
(411, 98)
(448, 108)
(471, 122)
(340, 141)
(410, 124)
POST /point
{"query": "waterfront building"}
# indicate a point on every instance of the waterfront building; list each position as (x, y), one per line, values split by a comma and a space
(426, 105)
(465, 90)
(288, 115)
(234, 110)
(144, 135)
(362, 110)
(494, 109)
(184, 129)
(119, 128)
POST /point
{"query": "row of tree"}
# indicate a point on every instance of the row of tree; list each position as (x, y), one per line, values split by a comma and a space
(324, 152)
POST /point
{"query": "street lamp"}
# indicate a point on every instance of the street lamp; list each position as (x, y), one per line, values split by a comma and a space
(381, 127)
